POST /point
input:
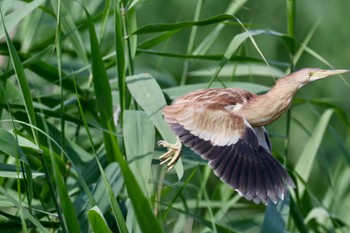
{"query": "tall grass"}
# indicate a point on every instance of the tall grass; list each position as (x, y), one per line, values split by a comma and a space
(82, 88)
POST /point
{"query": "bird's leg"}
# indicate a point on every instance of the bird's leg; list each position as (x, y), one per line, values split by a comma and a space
(172, 155)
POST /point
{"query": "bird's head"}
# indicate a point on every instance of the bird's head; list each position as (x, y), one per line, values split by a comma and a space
(307, 75)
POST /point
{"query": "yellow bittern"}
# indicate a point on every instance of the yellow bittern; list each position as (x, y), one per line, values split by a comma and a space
(226, 127)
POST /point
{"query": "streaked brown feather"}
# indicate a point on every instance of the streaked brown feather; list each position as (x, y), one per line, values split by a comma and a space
(225, 96)
(200, 120)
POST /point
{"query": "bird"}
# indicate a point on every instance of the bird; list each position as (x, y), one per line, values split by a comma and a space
(225, 126)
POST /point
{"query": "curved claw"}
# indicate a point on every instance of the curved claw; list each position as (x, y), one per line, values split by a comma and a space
(172, 155)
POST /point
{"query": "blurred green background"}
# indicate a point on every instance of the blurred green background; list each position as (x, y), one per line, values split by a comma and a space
(71, 148)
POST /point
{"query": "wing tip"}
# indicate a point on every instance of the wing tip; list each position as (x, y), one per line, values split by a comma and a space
(265, 198)
(259, 178)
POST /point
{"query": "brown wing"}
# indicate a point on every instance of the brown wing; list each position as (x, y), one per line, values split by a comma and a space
(206, 123)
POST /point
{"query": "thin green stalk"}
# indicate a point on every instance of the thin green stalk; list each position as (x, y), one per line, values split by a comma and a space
(179, 193)
(120, 56)
(73, 224)
(286, 139)
(59, 66)
(291, 17)
(202, 194)
(24, 226)
(127, 40)
(291, 32)
(210, 211)
(191, 42)
(105, 18)
(304, 44)
(26, 187)
(127, 12)
(52, 190)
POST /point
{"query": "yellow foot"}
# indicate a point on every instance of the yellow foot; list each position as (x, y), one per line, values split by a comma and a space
(172, 155)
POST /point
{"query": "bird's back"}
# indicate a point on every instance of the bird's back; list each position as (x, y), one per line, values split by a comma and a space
(221, 96)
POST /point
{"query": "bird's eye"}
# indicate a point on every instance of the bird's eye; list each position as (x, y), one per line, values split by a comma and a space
(310, 73)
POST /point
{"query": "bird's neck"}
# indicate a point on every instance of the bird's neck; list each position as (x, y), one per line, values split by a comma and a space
(268, 107)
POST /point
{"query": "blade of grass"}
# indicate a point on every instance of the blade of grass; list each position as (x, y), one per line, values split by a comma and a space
(9, 145)
(62, 200)
(255, 46)
(69, 213)
(303, 45)
(341, 144)
(180, 25)
(323, 60)
(139, 202)
(25, 212)
(17, 15)
(102, 91)
(5, 6)
(139, 137)
(68, 27)
(31, 25)
(307, 157)
(112, 200)
(97, 221)
(153, 41)
(239, 69)
(59, 65)
(19, 166)
(104, 103)
(149, 96)
(43, 69)
(233, 46)
(22, 81)
(318, 213)
(329, 104)
(211, 57)
(210, 39)
(105, 18)
(147, 93)
(130, 25)
(10, 171)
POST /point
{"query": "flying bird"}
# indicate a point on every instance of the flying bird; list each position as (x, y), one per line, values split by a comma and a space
(226, 127)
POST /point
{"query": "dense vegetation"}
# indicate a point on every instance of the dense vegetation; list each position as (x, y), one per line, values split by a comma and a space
(82, 86)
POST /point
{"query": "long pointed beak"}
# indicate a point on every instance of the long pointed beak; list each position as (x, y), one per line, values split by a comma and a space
(325, 73)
